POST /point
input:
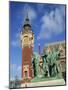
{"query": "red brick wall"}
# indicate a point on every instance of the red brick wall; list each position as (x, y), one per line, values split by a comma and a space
(26, 59)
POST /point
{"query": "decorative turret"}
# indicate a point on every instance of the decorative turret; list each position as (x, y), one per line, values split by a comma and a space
(27, 22)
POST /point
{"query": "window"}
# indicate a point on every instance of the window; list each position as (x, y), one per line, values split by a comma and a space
(26, 71)
(26, 74)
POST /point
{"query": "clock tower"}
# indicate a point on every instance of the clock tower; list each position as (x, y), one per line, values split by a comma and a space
(27, 43)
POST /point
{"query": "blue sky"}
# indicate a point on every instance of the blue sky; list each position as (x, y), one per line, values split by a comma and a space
(48, 25)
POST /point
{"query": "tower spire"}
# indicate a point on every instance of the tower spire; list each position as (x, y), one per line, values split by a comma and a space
(27, 21)
(27, 15)
(27, 18)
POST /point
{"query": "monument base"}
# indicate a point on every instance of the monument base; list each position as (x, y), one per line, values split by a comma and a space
(44, 83)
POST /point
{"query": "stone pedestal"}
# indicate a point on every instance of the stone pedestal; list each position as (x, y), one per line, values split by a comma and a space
(45, 83)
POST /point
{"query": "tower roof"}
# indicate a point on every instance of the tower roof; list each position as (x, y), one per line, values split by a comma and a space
(27, 21)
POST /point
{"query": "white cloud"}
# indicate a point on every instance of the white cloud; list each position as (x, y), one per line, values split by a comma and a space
(18, 70)
(31, 12)
(16, 42)
(12, 66)
(40, 7)
(15, 71)
(12, 71)
(52, 23)
(12, 78)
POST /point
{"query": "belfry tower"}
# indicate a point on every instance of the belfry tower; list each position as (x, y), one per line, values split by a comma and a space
(27, 43)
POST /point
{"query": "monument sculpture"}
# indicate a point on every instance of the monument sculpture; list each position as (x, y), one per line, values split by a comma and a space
(47, 66)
